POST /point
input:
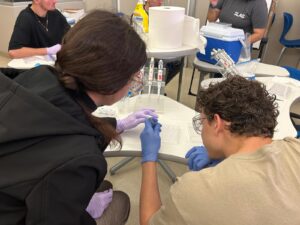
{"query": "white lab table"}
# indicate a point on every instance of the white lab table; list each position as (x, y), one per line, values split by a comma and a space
(168, 54)
(31, 62)
(177, 133)
(260, 70)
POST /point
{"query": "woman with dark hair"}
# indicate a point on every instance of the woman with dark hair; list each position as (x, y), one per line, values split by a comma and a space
(51, 160)
(249, 15)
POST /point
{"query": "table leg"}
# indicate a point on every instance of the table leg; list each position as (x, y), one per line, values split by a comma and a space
(168, 170)
(180, 79)
(120, 164)
(202, 74)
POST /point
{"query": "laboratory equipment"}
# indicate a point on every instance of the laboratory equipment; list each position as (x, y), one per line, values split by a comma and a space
(150, 74)
(221, 36)
(226, 62)
(141, 76)
(159, 76)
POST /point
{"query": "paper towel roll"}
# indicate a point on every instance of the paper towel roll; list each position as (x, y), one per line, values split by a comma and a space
(166, 27)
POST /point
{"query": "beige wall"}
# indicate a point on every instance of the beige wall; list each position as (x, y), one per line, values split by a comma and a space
(291, 56)
(99, 4)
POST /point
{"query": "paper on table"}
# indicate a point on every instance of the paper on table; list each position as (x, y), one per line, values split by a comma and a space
(280, 90)
(170, 133)
(151, 102)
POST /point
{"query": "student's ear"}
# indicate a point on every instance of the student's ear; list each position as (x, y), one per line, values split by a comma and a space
(36, 1)
(219, 123)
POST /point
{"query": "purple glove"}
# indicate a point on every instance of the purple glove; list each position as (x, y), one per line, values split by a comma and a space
(53, 49)
(99, 202)
(135, 119)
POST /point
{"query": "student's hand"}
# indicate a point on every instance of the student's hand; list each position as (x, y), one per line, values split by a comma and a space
(150, 140)
(198, 158)
(155, 3)
(53, 49)
(135, 119)
(99, 202)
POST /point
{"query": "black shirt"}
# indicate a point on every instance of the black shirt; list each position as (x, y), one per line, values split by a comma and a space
(51, 160)
(31, 30)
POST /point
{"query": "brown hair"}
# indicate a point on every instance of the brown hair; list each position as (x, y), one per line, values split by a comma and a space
(100, 53)
(246, 104)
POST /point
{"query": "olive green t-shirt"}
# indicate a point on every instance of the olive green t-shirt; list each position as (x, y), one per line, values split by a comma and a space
(259, 188)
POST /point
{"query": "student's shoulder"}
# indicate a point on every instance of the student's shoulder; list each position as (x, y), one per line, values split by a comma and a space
(26, 13)
(25, 16)
(56, 13)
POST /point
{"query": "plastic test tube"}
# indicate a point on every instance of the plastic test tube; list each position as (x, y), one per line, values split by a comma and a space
(150, 75)
(159, 75)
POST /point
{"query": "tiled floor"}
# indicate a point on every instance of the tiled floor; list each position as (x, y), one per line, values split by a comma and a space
(128, 178)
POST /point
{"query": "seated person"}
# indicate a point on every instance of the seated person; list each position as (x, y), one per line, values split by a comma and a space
(39, 30)
(257, 182)
(249, 15)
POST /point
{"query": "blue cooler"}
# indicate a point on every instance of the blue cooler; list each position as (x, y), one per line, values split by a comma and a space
(221, 37)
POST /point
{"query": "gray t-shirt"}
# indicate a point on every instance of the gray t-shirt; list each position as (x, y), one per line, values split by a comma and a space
(244, 14)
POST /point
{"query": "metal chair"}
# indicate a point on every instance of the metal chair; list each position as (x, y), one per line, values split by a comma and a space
(288, 22)
(294, 73)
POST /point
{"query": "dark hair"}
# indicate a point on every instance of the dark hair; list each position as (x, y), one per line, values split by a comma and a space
(100, 53)
(246, 104)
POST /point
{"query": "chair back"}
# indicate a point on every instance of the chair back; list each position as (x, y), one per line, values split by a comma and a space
(294, 73)
(288, 22)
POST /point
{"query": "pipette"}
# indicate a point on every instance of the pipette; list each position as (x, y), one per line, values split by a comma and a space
(141, 76)
(150, 75)
(159, 76)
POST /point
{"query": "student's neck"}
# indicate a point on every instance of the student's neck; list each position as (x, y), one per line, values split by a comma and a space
(38, 10)
(247, 144)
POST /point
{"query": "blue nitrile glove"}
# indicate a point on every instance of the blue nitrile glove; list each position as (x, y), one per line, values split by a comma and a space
(198, 158)
(99, 202)
(135, 119)
(150, 140)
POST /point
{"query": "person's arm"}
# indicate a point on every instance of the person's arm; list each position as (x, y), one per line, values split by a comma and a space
(63, 195)
(213, 14)
(149, 197)
(259, 19)
(26, 52)
(214, 10)
(257, 35)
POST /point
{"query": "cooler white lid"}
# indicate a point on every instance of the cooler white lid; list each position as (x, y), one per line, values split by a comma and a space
(222, 32)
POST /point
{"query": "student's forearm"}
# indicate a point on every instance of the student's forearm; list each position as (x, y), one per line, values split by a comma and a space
(26, 52)
(257, 35)
(149, 196)
(254, 38)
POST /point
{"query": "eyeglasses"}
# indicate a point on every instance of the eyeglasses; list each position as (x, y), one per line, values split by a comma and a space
(198, 123)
